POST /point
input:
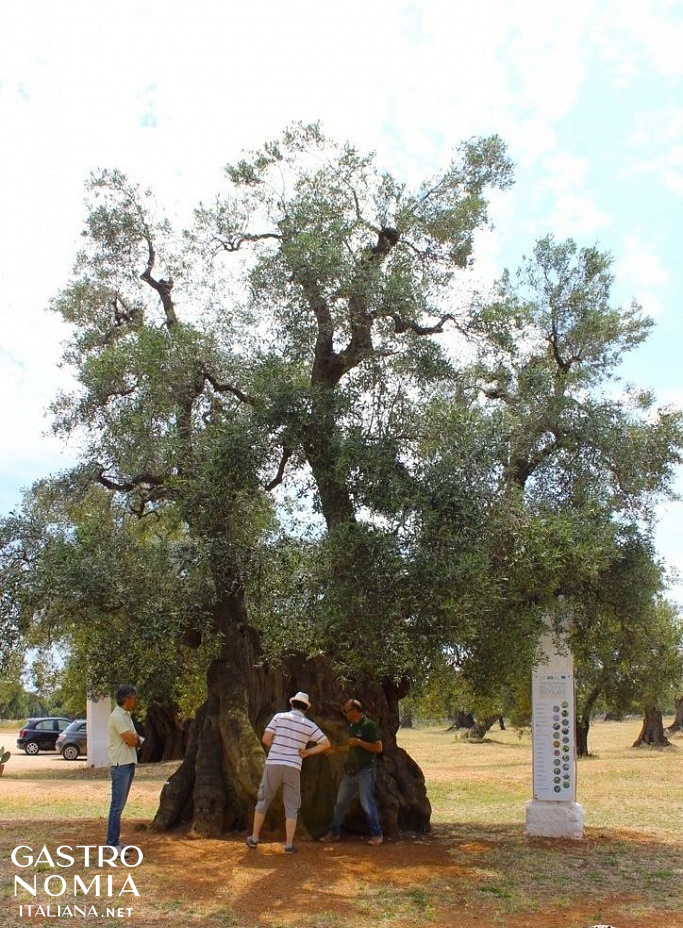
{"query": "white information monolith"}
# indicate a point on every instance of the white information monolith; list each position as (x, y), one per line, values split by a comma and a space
(98, 711)
(554, 812)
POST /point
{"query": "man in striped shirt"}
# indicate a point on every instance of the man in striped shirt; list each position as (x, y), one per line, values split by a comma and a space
(286, 737)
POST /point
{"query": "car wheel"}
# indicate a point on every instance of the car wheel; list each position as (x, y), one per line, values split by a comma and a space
(70, 752)
(31, 747)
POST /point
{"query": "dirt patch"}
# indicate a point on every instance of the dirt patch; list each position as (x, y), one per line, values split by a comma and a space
(440, 880)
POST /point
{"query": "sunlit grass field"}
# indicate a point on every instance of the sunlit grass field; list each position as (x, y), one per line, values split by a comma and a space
(619, 786)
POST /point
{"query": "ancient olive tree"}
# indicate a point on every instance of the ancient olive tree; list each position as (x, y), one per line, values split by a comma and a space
(206, 385)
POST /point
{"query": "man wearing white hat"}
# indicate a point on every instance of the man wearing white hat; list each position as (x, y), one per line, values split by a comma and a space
(286, 737)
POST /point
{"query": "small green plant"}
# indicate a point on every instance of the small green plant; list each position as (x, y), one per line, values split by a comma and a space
(4, 756)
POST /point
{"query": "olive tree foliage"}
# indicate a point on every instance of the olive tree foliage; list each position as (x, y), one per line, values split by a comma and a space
(284, 343)
(626, 638)
(199, 384)
(162, 427)
(114, 594)
(348, 277)
(474, 496)
(16, 700)
(542, 472)
(551, 368)
(299, 324)
(589, 457)
(446, 695)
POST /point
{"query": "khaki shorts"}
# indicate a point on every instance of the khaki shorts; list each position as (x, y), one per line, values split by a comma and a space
(274, 777)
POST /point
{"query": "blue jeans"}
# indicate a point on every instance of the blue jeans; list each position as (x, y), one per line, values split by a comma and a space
(362, 783)
(121, 779)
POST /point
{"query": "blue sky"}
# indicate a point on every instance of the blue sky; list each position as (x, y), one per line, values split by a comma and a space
(587, 95)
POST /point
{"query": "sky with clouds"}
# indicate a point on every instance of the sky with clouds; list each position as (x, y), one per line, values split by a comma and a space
(588, 97)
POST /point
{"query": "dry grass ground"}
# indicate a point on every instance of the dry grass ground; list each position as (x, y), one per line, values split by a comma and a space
(477, 868)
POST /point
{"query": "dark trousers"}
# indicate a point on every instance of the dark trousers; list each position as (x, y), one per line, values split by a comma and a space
(362, 783)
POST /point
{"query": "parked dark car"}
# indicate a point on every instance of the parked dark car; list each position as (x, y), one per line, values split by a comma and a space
(41, 734)
(73, 740)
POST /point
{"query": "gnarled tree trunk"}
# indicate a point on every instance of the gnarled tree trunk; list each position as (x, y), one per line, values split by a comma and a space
(581, 735)
(583, 721)
(478, 731)
(166, 736)
(214, 789)
(652, 732)
(406, 720)
(400, 786)
(461, 720)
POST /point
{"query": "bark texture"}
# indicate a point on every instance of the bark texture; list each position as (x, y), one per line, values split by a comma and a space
(400, 790)
(166, 737)
(215, 786)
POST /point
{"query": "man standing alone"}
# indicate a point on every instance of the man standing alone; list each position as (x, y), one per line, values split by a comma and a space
(286, 736)
(359, 773)
(123, 739)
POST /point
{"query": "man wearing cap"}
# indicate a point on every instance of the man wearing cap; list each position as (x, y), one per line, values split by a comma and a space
(286, 737)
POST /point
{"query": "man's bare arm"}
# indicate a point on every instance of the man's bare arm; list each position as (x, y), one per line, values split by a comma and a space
(322, 748)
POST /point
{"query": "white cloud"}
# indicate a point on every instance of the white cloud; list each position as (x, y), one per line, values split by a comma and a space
(577, 216)
(635, 37)
(641, 271)
(659, 136)
(573, 213)
(668, 534)
(668, 167)
(29, 450)
(546, 51)
(564, 172)
(531, 139)
(658, 127)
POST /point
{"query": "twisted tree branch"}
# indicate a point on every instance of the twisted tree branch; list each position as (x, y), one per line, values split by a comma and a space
(279, 476)
(226, 388)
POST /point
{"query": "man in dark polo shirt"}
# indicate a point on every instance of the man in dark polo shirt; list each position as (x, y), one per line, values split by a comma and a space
(359, 773)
